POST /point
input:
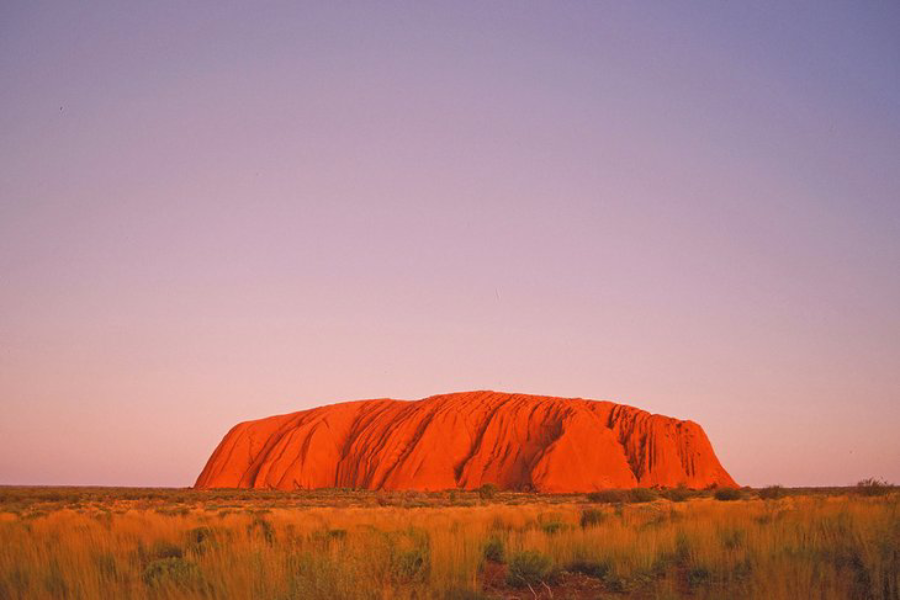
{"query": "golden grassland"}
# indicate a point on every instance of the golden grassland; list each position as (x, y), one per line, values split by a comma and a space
(170, 544)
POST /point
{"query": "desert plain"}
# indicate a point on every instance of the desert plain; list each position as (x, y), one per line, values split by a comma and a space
(828, 543)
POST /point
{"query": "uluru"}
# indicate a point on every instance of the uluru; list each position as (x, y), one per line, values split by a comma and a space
(464, 440)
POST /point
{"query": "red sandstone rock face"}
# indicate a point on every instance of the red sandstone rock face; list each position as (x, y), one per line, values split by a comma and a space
(464, 440)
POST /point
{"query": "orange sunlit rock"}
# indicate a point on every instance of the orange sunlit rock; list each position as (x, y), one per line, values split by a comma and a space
(464, 440)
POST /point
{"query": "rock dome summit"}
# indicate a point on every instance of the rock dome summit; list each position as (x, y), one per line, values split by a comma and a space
(465, 440)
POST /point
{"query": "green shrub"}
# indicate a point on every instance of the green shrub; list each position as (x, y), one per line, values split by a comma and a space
(487, 491)
(173, 512)
(14, 583)
(200, 539)
(106, 565)
(634, 495)
(608, 496)
(683, 547)
(728, 494)
(873, 487)
(591, 568)
(199, 535)
(679, 494)
(326, 536)
(172, 571)
(698, 576)
(552, 527)
(410, 556)
(528, 568)
(262, 527)
(410, 565)
(551, 523)
(164, 549)
(642, 495)
(615, 583)
(732, 538)
(772, 492)
(315, 575)
(591, 517)
(55, 581)
(494, 550)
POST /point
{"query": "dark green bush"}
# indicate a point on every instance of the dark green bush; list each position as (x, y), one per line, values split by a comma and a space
(410, 556)
(174, 512)
(55, 581)
(608, 496)
(172, 571)
(262, 527)
(683, 546)
(199, 535)
(164, 549)
(498, 524)
(615, 583)
(591, 568)
(201, 539)
(326, 536)
(410, 565)
(591, 517)
(528, 568)
(315, 575)
(728, 494)
(732, 538)
(552, 527)
(698, 576)
(552, 523)
(873, 487)
(487, 491)
(772, 492)
(106, 565)
(494, 550)
(642, 495)
(635, 495)
(679, 494)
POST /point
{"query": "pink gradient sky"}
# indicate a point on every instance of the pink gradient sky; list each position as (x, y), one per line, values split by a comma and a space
(212, 213)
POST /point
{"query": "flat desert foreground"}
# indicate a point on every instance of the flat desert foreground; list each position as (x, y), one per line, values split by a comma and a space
(152, 543)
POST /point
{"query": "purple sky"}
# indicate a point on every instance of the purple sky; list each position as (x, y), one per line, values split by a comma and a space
(211, 213)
